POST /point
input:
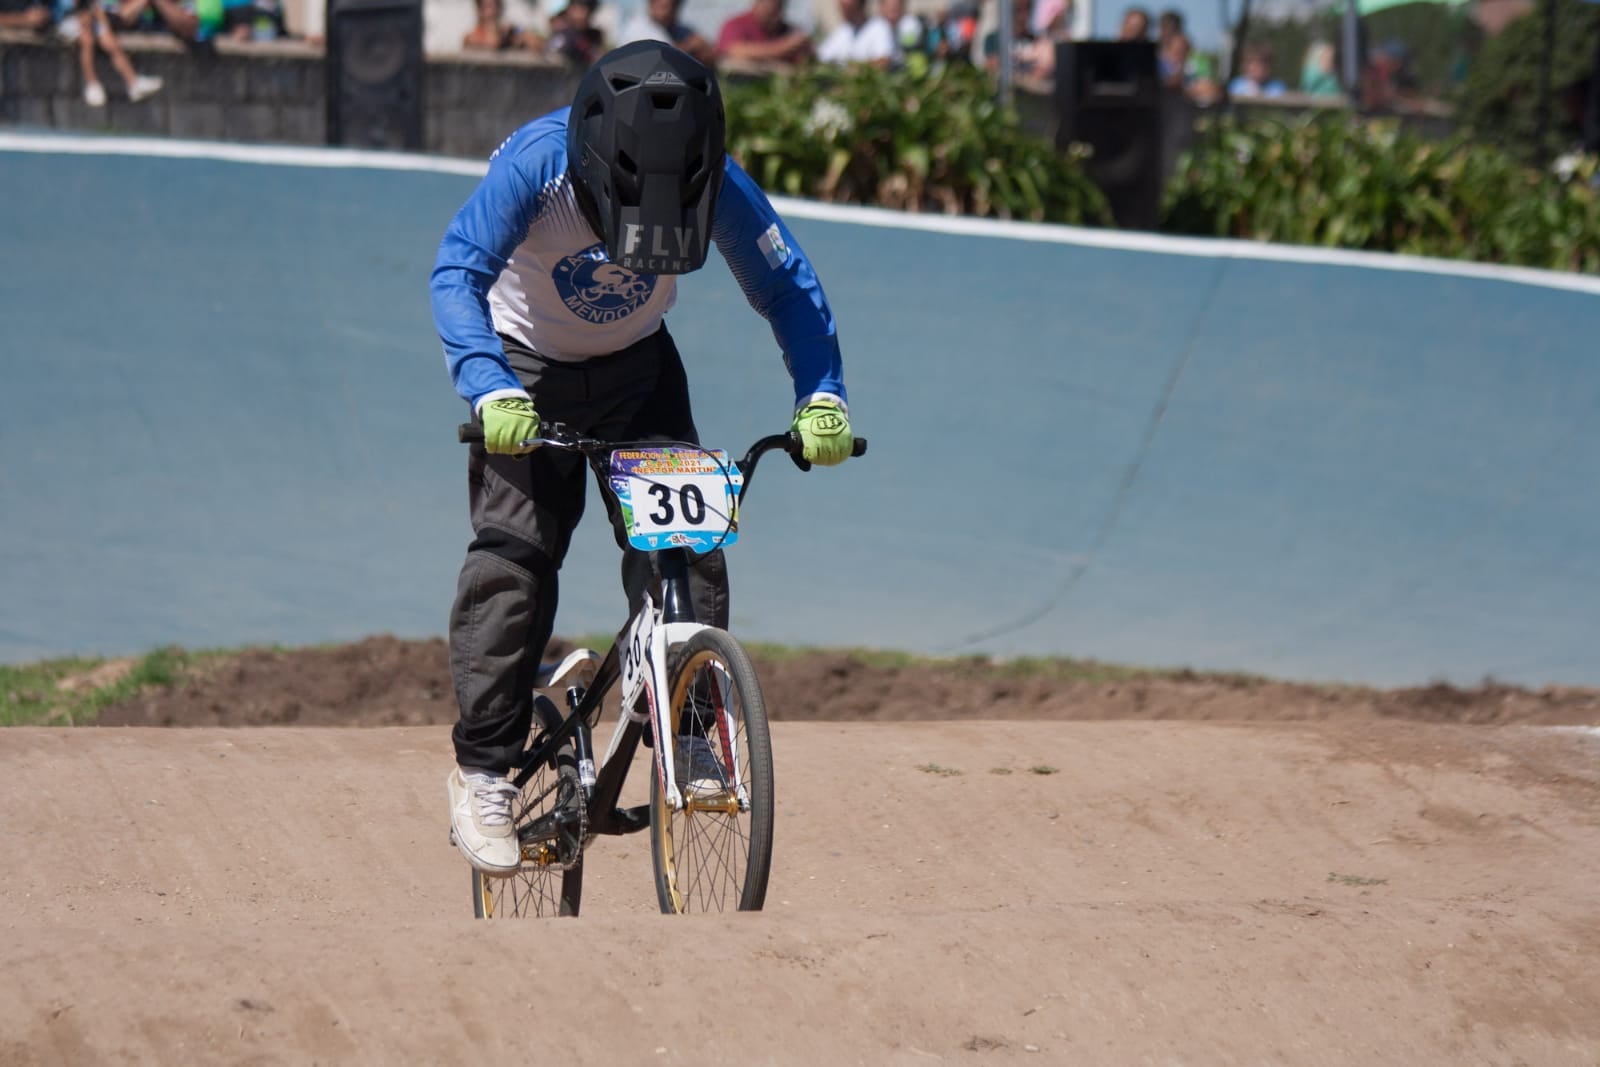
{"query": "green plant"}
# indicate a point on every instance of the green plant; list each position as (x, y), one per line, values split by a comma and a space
(1501, 98)
(1340, 182)
(928, 140)
(72, 691)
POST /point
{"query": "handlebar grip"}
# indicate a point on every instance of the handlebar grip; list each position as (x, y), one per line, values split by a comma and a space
(859, 448)
(469, 433)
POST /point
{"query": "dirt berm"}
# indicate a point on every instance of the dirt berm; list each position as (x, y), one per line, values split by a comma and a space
(1353, 887)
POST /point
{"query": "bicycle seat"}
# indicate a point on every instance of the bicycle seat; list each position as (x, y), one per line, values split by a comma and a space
(578, 668)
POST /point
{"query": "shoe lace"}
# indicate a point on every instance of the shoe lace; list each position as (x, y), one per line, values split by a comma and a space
(494, 797)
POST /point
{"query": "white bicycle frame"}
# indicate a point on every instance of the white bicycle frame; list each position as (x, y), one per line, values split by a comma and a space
(643, 669)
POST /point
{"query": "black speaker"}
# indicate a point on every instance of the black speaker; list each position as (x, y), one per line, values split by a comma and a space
(1109, 97)
(375, 66)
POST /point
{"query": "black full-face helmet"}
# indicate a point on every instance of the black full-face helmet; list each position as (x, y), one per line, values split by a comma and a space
(645, 152)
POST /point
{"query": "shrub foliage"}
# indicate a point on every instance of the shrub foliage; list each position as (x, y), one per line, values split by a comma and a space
(931, 140)
(937, 140)
(1501, 98)
(1342, 183)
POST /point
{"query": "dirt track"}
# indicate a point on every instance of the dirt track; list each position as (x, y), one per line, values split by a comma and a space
(1177, 893)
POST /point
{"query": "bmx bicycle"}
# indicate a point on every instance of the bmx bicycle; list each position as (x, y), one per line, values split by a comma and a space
(710, 807)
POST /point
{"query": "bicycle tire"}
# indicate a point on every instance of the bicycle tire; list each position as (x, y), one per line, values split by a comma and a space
(716, 852)
(542, 886)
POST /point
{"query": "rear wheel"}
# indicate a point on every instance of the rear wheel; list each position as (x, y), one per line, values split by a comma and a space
(550, 822)
(715, 853)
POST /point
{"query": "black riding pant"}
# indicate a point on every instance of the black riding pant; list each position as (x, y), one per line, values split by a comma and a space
(524, 510)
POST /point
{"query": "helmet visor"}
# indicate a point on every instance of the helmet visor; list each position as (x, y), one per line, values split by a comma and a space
(663, 234)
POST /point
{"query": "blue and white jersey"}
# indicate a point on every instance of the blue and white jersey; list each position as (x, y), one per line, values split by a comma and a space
(519, 259)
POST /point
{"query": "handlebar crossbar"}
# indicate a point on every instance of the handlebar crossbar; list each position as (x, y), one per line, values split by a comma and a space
(558, 436)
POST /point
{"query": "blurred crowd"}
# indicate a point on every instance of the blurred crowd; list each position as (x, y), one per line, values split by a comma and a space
(883, 33)
(100, 25)
(887, 33)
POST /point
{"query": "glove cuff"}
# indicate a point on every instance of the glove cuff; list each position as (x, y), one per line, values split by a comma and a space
(822, 398)
(500, 394)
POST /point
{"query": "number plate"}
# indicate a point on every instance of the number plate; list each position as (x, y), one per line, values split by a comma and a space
(677, 497)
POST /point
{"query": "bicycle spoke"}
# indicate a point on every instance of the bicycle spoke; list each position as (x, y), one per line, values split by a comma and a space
(711, 858)
(717, 846)
(535, 889)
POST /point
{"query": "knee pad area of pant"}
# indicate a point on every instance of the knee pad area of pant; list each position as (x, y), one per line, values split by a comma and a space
(514, 550)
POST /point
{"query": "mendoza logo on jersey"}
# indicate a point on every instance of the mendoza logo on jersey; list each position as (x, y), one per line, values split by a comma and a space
(597, 290)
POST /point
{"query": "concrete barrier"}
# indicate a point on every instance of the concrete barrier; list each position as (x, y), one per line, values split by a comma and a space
(226, 420)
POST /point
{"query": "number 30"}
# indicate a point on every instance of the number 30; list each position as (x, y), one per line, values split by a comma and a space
(690, 502)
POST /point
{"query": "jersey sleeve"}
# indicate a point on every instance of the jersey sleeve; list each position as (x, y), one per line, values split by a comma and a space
(777, 279)
(475, 249)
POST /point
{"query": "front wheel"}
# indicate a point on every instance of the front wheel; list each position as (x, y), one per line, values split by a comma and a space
(714, 854)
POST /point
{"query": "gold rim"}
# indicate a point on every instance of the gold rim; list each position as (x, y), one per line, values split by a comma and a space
(533, 889)
(487, 894)
(702, 819)
(663, 821)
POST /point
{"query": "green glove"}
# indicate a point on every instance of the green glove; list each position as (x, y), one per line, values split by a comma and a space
(825, 435)
(507, 423)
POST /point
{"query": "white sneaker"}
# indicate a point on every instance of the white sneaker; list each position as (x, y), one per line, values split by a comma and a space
(144, 85)
(481, 821)
(94, 94)
(699, 769)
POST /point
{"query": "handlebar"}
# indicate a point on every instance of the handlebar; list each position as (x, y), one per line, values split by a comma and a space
(558, 436)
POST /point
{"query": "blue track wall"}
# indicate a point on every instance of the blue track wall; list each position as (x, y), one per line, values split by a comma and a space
(225, 419)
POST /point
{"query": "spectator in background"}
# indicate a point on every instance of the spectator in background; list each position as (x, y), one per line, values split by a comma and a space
(1135, 25)
(1317, 76)
(1172, 49)
(1387, 79)
(494, 34)
(1049, 26)
(660, 20)
(25, 15)
(177, 17)
(90, 24)
(1204, 86)
(1024, 53)
(1256, 79)
(859, 38)
(761, 35)
(910, 31)
(955, 32)
(252, 20)
(574, 38)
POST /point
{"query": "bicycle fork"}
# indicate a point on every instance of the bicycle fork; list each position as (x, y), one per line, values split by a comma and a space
(646, 644)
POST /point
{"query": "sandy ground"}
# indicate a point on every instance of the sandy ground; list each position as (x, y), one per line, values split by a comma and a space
(1176, 893)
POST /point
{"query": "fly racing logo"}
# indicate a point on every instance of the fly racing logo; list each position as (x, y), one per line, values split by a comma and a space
(663, 77)
(633, 236)
(772, 247)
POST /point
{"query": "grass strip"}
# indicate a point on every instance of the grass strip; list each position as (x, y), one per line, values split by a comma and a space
(71, 692)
